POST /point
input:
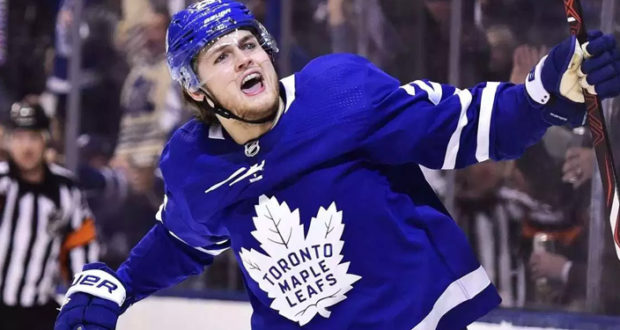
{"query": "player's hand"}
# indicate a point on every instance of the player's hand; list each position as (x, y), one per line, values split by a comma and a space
(558, 79)
(94, 300)
(578, 165)
(524, 58)
(547, 265)
(562, 73)
(335, 10)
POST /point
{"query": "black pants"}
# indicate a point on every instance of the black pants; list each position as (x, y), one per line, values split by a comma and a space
(28, 318)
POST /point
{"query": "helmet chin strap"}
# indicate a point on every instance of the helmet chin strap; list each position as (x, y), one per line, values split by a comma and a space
(229, 115)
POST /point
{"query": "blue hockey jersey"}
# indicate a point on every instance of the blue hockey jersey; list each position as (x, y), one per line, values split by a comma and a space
(328, 213)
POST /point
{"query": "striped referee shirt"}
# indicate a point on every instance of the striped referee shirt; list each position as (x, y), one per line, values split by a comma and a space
(46, 231)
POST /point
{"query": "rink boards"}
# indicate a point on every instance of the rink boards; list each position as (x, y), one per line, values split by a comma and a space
(159, 313)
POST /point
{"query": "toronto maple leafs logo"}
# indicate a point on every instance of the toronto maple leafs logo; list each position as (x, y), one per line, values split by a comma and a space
(303, 275)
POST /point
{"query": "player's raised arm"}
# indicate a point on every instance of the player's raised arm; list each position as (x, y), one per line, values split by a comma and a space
(442, 127)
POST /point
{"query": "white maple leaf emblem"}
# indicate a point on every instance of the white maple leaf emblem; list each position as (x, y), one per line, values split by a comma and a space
(303, 275)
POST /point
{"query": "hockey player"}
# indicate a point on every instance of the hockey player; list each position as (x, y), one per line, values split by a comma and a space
(314, 183)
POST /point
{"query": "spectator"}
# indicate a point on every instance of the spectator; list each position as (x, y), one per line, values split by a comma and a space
(490, 212)
(570, 267)
(150, 102)
(101, 75)
(26, 30)
(502, 44)
(362, 29)
(554, 173)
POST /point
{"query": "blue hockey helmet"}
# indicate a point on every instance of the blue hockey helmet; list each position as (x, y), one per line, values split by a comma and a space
(201, 24)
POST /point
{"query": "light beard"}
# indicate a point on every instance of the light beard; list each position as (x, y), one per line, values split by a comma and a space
(257, 115)
(252, 111)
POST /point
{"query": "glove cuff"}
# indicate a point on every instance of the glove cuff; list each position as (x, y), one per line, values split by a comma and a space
(100, 284)
(534, 85)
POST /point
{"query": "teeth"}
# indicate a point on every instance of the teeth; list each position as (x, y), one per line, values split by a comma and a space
(250, 77)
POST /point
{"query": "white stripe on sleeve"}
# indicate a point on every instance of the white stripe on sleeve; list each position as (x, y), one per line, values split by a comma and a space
(434, 91)
(459, 291)
(213, 252)
(484, 121)
(409, 89)
(162, 207)
(452, 150)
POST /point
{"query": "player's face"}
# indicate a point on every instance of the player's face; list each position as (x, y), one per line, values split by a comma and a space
(239, 74)
(27, 148)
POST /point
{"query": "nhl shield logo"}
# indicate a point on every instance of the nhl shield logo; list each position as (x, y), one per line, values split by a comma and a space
(252, 148)
(303, 275)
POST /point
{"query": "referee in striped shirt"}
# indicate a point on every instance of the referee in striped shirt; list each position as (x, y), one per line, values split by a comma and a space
(46, 229)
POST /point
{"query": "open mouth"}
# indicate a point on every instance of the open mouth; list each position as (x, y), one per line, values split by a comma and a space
(252, 84)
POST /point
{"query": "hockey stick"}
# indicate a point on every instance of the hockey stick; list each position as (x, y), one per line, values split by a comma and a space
(596, 122)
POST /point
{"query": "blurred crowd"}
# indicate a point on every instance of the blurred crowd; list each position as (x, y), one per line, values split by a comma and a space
(527, 219)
